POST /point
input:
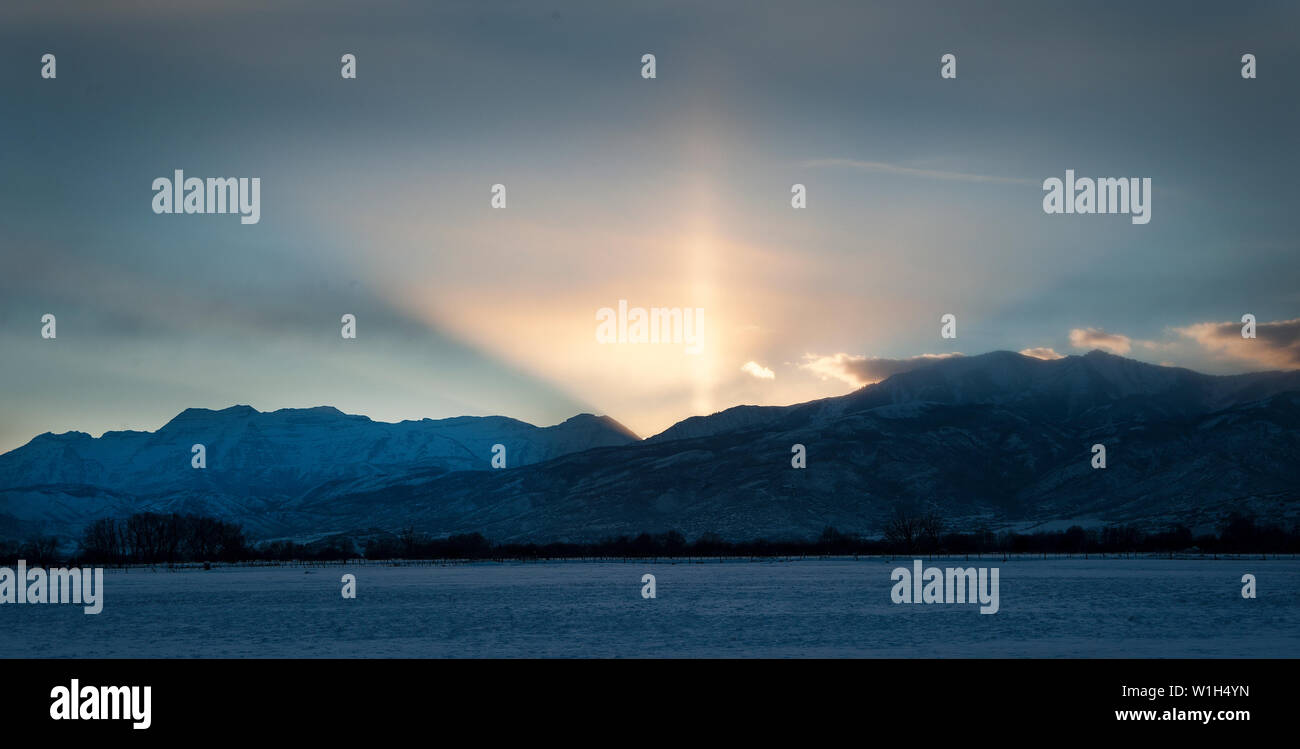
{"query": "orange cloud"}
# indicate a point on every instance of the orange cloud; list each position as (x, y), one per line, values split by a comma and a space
(1094, 338)
(1276, 345)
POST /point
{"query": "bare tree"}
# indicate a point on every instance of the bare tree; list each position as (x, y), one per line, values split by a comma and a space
(930, 528)
(407, 539)
(903, 529)
(41, 550)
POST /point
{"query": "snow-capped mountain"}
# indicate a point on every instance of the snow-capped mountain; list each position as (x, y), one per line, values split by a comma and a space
(989, 440)
(258, 462)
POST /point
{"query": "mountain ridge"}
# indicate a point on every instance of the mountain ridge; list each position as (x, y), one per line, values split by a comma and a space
(996, 439)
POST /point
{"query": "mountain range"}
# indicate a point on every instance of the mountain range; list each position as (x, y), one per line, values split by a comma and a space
(990, 441)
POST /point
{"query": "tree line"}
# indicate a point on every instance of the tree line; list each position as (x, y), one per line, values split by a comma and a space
(153, 538)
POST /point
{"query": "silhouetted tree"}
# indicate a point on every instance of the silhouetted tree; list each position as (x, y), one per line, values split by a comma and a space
(903, 530)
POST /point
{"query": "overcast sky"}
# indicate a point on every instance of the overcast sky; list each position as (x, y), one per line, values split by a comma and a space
(924, 198)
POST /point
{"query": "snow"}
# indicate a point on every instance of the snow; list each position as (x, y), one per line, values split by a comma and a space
(1049, 608)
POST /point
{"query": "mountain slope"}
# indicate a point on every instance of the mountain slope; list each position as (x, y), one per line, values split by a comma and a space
(989, 441)
(257, 462)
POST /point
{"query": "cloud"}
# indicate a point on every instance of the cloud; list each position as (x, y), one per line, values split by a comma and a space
(1276, 345)
(907, 171)
(1042, 352)
(1093, 338)
(864, 370)
(758, 370)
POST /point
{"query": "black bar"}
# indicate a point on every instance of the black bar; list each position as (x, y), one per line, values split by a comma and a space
(328, 699)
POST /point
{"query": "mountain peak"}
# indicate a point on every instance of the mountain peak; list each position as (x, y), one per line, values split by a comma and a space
(198, 415)
(62, 436)
(323, 410)
(313, 415)
(599, 422)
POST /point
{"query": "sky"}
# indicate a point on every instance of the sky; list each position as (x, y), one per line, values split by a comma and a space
(924, 198)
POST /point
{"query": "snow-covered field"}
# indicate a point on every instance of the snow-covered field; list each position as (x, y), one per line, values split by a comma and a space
(1072, 608)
